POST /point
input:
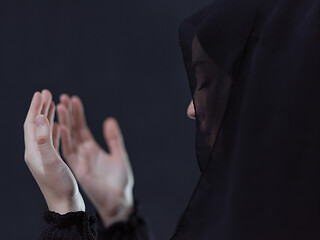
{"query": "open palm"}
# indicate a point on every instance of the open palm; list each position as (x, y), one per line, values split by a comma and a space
(106, 178)
(53, 176)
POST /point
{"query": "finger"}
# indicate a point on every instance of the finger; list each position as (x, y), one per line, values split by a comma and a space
(51, 114)
(67, 145)
(44, 139)
(63, 115)
(56, 136)
(113, 136)
(29, 124)
(78, 113)
(66, 142)
(47, 97)
(79, 124)
(65, 100)
(35, 107)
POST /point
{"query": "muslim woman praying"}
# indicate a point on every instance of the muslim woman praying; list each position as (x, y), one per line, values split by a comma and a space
(253, 71)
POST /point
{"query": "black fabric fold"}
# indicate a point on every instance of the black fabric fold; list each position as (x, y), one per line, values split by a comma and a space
(135, 227)
(254, 79)
(73, 225)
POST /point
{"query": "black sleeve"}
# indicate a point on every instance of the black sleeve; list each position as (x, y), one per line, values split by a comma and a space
(82, 226)
(73, 225)
(135, 228)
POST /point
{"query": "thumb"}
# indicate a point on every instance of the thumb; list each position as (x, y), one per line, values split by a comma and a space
(44, 137)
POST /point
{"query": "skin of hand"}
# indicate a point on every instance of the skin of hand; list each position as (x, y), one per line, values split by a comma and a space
(55, 179)
(106, 178)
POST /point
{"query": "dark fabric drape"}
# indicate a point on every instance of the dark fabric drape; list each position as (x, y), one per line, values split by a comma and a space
(253, 69)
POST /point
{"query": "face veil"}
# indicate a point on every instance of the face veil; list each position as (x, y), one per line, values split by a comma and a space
(254, 102)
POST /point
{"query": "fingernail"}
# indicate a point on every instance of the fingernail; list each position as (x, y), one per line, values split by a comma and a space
(40, 121)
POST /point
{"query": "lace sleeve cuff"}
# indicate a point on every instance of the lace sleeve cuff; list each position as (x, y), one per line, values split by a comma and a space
(72, 225)
(134, 226)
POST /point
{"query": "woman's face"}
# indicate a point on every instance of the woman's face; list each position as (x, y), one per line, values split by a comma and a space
(190, 111)
(210, 94)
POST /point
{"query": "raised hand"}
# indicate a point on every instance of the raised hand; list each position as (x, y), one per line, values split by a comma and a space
(53, 176)
(106, 178)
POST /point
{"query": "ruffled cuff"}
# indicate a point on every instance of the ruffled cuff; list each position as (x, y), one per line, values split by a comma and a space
(73, 225)
(134, 226)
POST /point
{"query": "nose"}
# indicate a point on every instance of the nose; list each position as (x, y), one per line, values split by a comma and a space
(190, 111)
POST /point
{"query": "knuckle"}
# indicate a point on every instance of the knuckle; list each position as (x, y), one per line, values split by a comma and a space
(41, 140)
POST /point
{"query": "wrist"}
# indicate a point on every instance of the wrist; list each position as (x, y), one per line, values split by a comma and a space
(120, 212)
(63, 206)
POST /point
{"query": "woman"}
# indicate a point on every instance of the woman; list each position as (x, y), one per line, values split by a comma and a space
(254, 78)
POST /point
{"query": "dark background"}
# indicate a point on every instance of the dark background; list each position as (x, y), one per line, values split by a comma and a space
(123, 59)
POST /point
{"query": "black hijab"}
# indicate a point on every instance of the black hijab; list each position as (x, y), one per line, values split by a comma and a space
(254, 74)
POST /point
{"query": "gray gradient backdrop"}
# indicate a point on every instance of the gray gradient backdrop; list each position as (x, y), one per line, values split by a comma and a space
(123, 59)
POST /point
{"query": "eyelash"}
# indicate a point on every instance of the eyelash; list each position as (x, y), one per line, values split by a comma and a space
(204, 85)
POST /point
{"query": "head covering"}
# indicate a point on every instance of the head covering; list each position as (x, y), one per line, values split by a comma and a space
(254, 74)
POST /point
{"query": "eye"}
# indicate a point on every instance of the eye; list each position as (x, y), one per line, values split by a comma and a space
(204, 85)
